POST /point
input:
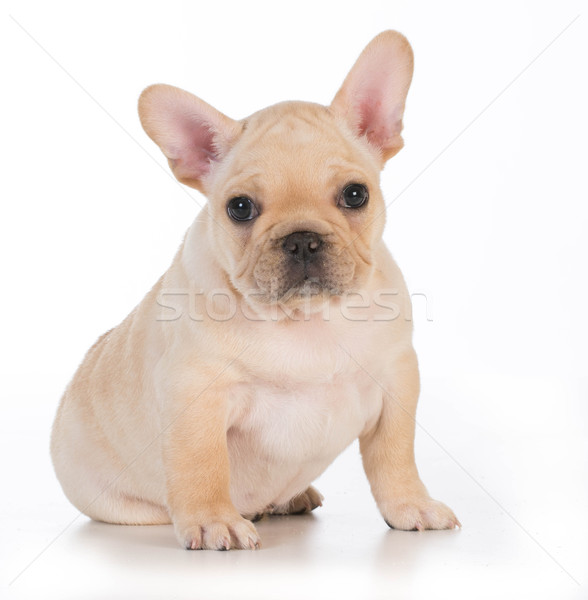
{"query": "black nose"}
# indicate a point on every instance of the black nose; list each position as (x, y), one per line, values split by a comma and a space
(302, 245)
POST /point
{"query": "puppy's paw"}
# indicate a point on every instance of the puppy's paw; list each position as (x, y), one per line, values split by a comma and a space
(303, 503)
(419, 513)
(217, 531)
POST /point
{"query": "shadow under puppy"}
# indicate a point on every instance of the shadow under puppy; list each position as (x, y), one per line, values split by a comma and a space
(245, 370)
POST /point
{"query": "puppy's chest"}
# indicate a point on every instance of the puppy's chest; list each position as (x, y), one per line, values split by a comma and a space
(302, 422)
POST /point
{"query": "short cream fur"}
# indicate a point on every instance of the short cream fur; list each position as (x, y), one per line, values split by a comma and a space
(207, 417)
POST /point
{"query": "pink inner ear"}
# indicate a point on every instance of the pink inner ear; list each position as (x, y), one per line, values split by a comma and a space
(193, 148)
(378, 121)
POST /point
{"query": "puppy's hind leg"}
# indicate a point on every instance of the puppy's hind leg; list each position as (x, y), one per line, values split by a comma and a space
(300, 504)
(129, 510)
(123, 509)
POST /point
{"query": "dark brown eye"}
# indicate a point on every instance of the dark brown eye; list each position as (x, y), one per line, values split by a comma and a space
(241, 209)
(354, 195)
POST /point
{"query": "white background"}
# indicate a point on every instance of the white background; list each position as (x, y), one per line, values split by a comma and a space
(487, 219)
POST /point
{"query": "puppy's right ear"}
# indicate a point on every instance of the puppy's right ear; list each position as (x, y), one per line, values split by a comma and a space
(192, 134)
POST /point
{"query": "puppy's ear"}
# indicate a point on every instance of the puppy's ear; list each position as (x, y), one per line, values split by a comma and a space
(373, 94)
(191, 133)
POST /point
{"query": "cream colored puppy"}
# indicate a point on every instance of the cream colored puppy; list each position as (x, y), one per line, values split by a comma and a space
(279, 334)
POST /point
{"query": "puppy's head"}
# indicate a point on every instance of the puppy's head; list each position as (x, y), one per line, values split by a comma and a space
(294, 198)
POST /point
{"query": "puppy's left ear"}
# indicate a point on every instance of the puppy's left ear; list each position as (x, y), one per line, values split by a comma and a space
(373, 94)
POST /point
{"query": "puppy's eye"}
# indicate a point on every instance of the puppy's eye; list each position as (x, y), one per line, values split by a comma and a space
(241, 208)
(354, 196)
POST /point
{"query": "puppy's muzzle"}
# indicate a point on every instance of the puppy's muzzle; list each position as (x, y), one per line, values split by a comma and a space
(303, 247)
(303, 263)
(304, 254)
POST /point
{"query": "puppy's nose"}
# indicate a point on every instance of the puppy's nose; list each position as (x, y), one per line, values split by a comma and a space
(302, 245)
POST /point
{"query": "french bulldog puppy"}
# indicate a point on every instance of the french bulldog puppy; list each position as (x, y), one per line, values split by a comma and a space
(280, 333)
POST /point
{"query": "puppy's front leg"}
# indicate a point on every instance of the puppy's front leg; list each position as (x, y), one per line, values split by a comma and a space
(196, 462)
(388, 457)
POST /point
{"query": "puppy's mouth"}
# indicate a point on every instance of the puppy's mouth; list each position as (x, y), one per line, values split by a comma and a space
(308, 288)
(303, 291)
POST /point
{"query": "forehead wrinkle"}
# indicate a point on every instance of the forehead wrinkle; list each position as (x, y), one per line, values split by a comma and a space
(290, 150)
(307, 181)
(244, 177)
(289, 118)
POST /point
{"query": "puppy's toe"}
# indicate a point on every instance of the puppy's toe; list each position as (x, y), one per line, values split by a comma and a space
(218, 532)
(303, 503)
(419, 514)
